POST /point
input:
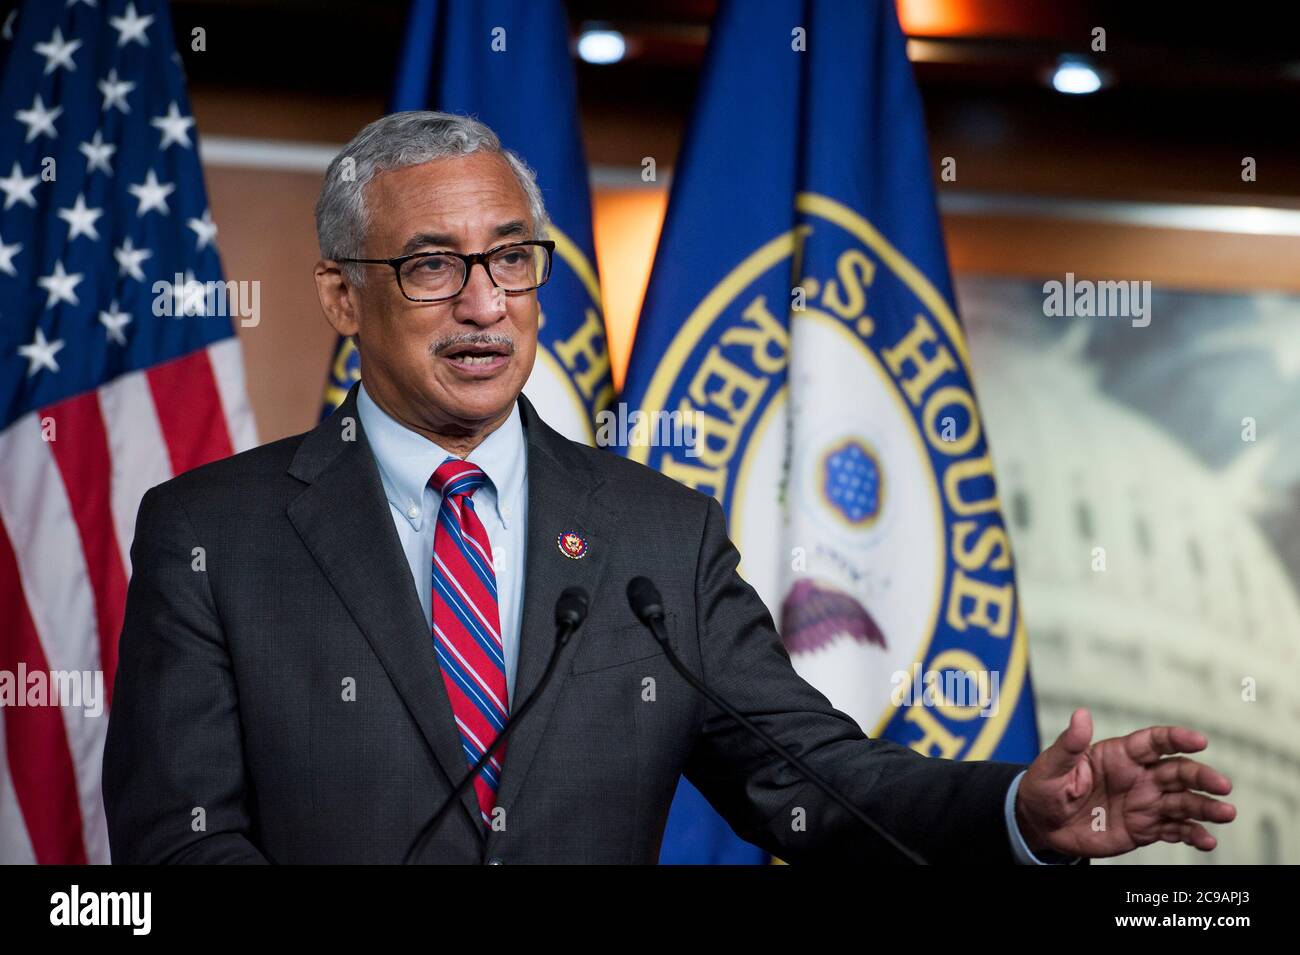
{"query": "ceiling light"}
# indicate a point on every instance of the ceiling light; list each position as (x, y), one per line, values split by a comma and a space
(1076, 76)
(601, 46)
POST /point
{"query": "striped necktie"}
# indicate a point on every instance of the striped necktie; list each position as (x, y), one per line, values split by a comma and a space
(466, 627)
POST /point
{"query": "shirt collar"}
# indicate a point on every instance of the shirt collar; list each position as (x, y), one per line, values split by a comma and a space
(408, 459)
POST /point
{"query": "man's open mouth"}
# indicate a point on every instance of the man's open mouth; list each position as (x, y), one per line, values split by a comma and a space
(477, 356)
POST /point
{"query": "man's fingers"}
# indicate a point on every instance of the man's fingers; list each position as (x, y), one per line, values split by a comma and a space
(1192, 833)
(1179, 772)
(1196, 835)
(1148, 745)
(1181, 806)
(1073, 742)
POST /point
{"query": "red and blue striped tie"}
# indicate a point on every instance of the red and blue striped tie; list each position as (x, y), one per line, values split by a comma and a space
(466, 623)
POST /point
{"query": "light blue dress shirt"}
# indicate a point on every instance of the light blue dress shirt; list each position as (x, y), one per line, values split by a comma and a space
(407, 460)
(1018, 846)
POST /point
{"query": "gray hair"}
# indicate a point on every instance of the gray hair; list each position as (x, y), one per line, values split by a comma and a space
(395, 142)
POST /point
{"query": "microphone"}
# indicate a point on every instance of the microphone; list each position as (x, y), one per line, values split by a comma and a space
(648, 605)
(570, 612)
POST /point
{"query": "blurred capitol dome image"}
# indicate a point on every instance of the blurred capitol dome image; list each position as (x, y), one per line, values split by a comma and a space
(1150, 593)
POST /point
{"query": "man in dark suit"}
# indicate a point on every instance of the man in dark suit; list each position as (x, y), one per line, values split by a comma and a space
(323, 634)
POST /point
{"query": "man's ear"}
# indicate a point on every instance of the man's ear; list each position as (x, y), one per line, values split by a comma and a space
(337, 297)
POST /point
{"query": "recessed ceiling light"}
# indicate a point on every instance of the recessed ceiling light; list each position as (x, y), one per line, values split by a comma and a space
(1076, 76)
(601, 46)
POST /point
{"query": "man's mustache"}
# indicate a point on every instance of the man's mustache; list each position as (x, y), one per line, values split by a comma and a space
(488, 339)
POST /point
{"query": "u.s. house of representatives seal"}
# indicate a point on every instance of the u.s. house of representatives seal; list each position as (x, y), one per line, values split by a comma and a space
(846, 447)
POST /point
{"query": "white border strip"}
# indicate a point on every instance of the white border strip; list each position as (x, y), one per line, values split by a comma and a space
(290, 155)
(1198, 217)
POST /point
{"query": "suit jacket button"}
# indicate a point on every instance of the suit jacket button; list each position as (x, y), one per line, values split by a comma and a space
(496, 860)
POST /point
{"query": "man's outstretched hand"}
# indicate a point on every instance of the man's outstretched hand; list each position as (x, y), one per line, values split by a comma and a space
(1144, 789)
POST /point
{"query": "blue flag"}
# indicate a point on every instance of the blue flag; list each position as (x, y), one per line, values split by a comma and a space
(800, 317)
(508, 64)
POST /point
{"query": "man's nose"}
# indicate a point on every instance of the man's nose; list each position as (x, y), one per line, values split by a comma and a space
(480, 301)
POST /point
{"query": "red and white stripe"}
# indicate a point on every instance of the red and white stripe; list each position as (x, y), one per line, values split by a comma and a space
(67, 518)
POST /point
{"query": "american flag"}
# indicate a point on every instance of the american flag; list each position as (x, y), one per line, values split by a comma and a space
(101, 397)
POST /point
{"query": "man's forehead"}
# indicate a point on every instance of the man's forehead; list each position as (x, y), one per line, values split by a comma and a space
(442, 197)
(477, 172)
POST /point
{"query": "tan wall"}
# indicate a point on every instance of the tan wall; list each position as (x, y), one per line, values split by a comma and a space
(266, 233)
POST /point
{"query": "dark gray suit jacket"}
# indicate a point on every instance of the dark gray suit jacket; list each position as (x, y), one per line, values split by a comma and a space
(230, 739)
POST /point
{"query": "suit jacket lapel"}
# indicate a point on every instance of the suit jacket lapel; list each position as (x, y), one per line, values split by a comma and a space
(343, 519)
(562, 490)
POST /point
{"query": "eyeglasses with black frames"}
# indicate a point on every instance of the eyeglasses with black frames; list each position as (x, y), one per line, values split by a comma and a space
(437, 276)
